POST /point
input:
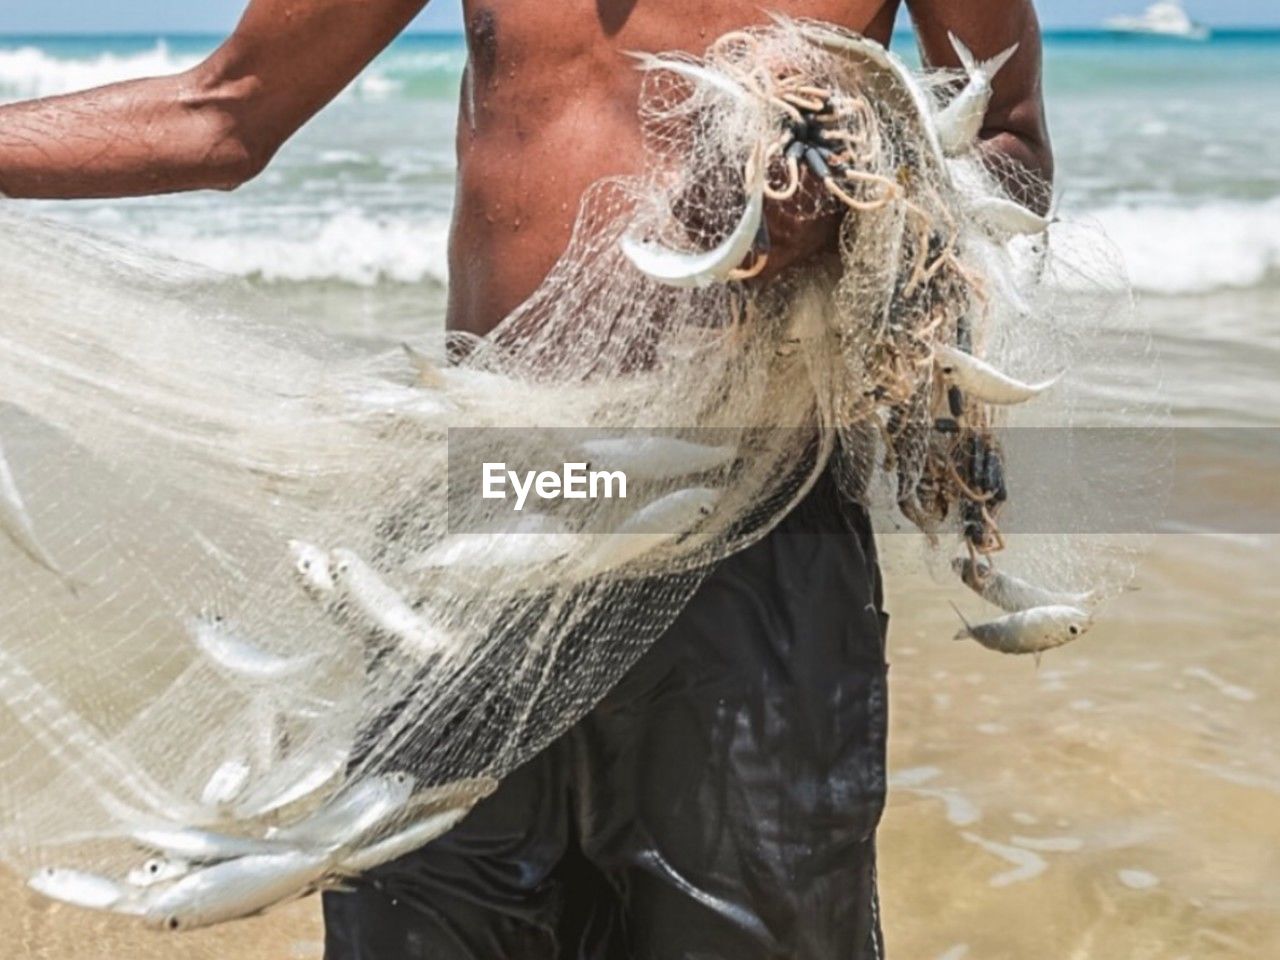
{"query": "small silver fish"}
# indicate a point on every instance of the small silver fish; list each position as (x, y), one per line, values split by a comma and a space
(86, 890)
(961, 121)
(1012, 594)
(386, 609)
(1007, 217)
(158, 870)
(312, 566)
(352, 814)
(672, 514)
(16, 524)
(1031, 631)
(531, 539)
(458, 793)
(661, 522)
(445, 807)
(702, 76)
(679, 268)
(226, 784)
(201, 846)
(290, 782)
(223, 645)
(645, 458)
(234, 890)
(403, 843)
(982, 381)
(848, 44)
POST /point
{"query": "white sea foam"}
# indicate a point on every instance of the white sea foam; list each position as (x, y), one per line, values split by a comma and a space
(1176, 250)
(1225, 687)
(352, 247)
(1027, 865)
(1138, 879)
(29, 71)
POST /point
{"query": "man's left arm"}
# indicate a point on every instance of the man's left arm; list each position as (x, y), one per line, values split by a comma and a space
(1015, 128)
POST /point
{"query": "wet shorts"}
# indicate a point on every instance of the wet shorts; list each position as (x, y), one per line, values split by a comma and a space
(720, 804)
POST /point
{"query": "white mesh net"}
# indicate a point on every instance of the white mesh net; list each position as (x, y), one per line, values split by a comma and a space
(260, 630)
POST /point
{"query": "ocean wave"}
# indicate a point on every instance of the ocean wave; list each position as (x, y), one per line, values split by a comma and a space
(1179, 250)
(353, 247)
(1168, 250)
(29, 71)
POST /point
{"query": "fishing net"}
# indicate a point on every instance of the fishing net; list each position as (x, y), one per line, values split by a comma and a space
(261, 627)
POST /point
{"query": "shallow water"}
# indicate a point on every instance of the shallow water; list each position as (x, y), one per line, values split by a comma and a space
(1120, 800)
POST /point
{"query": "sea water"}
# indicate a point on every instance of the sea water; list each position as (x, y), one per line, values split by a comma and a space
(1121, 801)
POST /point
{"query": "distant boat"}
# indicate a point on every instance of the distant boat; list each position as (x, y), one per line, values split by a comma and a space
(1166, 19)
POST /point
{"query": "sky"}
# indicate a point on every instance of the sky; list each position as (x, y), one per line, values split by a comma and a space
(127, 16)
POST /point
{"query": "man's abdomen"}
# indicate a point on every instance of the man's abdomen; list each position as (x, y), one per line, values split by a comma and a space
(549, 107)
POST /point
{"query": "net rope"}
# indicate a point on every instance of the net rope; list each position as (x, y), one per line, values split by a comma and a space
(261, 632)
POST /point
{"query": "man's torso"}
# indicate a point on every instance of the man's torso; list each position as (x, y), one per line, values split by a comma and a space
(549, 106)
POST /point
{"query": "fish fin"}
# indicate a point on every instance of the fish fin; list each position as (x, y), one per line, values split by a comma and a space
(997, 63)
(967, 632)
(644, 60)
(967, 59)
(1039, 657)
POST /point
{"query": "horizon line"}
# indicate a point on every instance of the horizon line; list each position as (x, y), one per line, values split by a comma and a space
(460, 33)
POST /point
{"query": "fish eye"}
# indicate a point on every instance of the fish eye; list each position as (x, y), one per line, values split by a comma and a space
(173, 923)
(1074, 630)
(152, 867)
(948, 370)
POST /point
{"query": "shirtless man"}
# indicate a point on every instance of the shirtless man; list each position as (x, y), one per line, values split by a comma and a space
(722, 802)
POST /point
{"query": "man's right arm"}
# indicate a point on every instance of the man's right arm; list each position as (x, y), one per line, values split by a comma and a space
(212, 127)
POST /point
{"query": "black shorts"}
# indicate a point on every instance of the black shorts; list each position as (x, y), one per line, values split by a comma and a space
(720, 804)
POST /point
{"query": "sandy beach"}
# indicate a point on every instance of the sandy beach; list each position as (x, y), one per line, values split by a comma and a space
(1120, 800)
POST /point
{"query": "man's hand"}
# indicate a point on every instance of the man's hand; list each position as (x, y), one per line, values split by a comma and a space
(1015, 128)
(1014, 135)
(213, 127)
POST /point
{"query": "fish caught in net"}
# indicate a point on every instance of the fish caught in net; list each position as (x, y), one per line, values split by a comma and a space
(262, 630)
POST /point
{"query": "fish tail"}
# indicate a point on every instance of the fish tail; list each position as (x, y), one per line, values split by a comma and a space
(967, 59)
(997, 63)
(985, 68)
(967, 632)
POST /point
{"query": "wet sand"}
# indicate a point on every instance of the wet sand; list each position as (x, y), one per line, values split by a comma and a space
(1121, 801)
